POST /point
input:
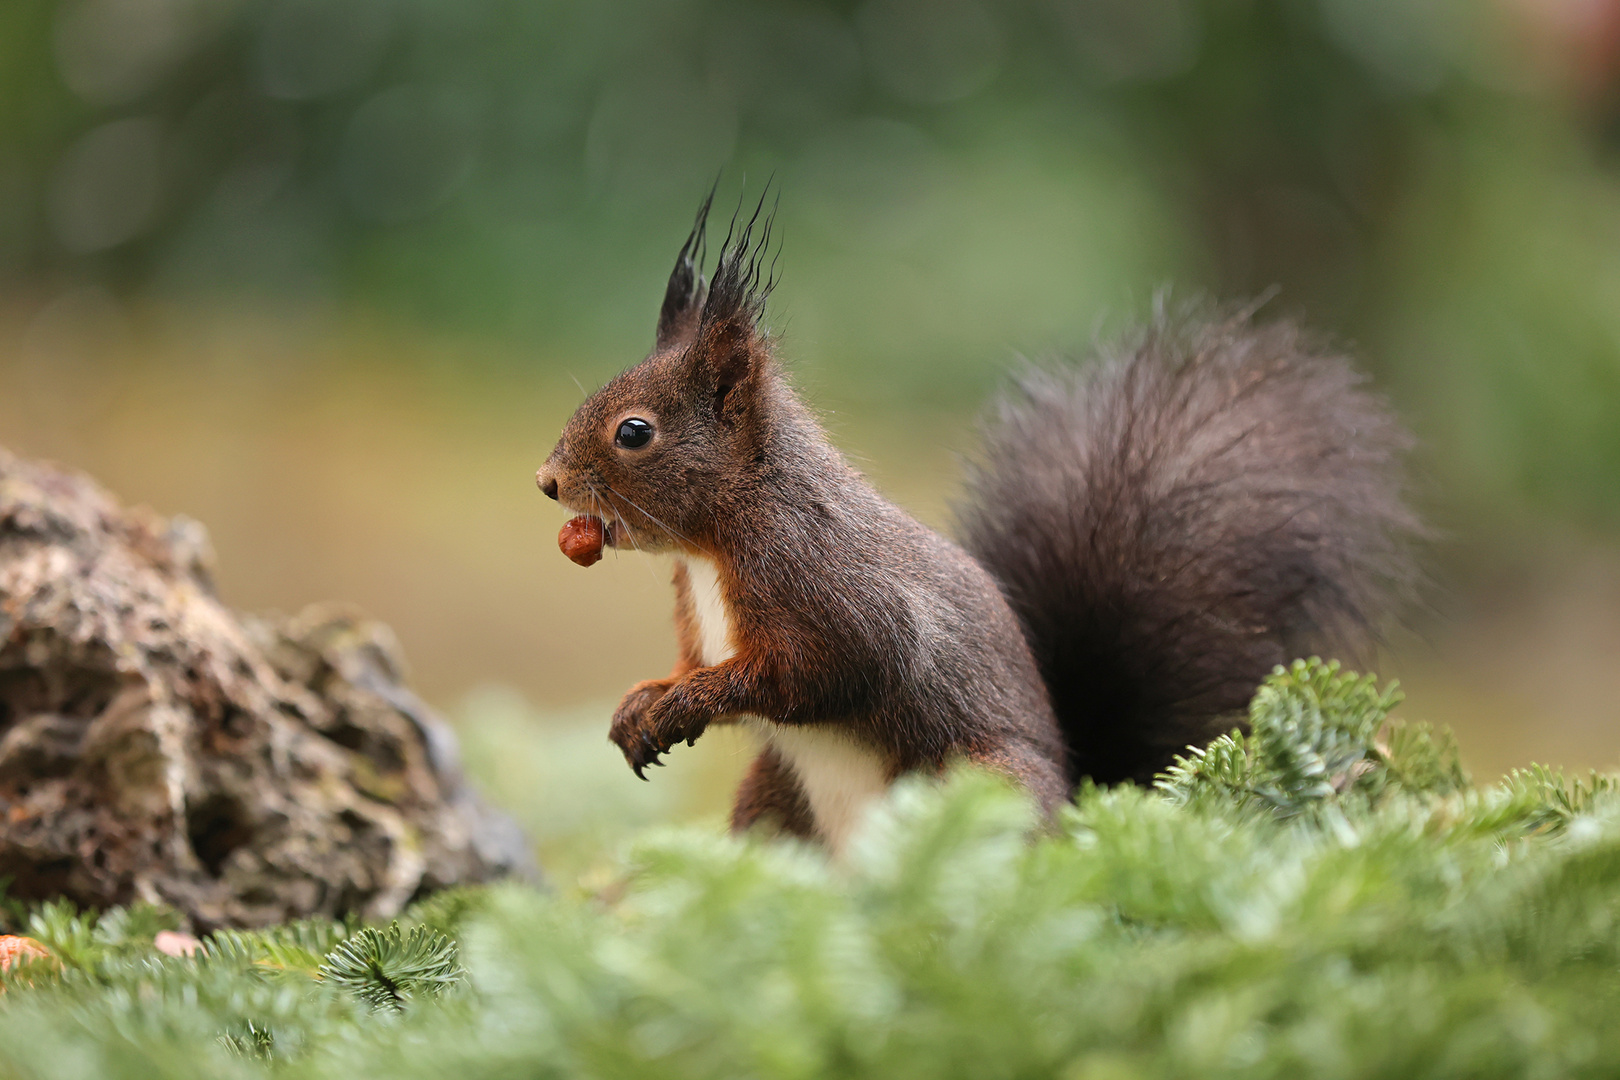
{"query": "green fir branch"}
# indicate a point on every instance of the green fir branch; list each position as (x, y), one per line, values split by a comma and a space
(389, 968)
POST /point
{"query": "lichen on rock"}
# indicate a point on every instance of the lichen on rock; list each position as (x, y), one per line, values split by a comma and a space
(155, 745)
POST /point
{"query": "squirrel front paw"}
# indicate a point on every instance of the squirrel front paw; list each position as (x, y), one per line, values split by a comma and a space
(631, 730)
(677, 717)
(653, 717)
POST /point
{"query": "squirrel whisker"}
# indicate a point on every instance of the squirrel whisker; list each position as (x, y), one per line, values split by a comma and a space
(673, 532)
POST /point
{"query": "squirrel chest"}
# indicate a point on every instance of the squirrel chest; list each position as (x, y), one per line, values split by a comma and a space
(839, 777)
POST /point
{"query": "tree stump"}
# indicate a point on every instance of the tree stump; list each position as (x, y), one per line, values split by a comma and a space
(155, 745)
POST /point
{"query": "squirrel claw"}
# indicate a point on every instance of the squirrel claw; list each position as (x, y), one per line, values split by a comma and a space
(646, 752)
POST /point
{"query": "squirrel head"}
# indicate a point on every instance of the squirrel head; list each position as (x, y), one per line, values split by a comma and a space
(661, 451)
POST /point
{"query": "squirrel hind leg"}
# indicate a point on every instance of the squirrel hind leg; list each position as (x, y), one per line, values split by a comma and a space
(771, 798)
(1038, 773)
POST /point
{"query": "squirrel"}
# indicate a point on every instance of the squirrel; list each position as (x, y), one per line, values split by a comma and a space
(1143, 539)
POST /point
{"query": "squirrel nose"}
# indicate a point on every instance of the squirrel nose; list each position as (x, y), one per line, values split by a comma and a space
(548, 484)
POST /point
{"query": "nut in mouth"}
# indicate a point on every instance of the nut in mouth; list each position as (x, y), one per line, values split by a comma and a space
(583, 538)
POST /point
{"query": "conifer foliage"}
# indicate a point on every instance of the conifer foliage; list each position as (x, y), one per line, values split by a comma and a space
(1315, 734)
(1324, 895)
(387, 968)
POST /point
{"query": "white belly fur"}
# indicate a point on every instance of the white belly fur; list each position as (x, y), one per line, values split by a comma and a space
(840, 777)
(709, 606)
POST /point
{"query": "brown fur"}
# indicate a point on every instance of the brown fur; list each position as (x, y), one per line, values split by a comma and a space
(847, 614)
(688, 655)
(769, 797)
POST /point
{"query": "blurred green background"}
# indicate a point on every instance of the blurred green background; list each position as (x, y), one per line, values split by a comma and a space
(328, 275)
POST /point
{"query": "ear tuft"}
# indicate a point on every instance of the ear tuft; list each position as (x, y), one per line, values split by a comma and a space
(686, 291)
(742, 280)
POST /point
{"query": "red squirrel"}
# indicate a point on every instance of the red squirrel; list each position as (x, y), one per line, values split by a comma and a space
(1142, 540)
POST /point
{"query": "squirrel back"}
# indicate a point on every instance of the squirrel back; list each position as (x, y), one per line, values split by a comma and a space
(1200, 504)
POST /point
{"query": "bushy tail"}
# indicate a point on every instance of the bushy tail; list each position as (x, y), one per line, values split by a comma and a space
(1204, 503)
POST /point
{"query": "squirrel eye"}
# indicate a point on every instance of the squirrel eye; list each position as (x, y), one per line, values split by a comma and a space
(634, 433)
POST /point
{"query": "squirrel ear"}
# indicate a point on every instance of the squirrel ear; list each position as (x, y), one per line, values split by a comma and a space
(726, 353)
(729, 341)
(686, 291)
